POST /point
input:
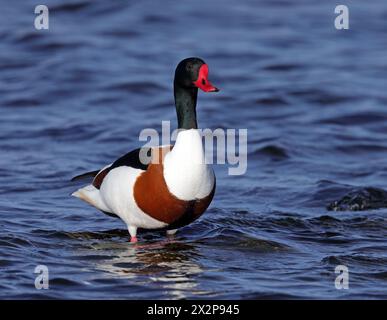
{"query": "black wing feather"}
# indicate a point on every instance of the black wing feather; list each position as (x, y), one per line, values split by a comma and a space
(91, 174)
(132, 159)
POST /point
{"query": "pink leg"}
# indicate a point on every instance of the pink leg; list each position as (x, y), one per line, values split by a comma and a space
(133, 232)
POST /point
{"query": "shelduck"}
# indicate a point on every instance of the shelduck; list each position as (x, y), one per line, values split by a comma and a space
(175, 186)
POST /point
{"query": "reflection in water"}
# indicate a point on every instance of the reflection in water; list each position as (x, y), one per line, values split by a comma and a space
(168, 264)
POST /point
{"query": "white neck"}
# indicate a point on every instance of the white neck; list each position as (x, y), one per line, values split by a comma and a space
(189, 146)
(185, 171)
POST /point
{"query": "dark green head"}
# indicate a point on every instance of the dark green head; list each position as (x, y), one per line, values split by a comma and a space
(190, 74)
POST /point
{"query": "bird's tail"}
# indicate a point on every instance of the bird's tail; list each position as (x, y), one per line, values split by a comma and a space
(92, 196)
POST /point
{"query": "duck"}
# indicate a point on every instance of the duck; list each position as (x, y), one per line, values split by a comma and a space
(171, 186)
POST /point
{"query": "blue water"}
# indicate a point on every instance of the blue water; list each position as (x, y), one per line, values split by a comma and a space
(75, 97)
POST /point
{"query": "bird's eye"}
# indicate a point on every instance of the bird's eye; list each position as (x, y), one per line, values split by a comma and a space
(203, 81)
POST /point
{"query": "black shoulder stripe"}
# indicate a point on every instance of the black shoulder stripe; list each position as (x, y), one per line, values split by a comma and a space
(90, 174)
(132, 159)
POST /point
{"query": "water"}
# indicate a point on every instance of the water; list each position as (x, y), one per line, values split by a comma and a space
(313, 99)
